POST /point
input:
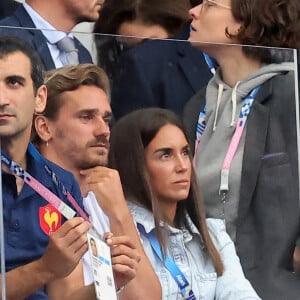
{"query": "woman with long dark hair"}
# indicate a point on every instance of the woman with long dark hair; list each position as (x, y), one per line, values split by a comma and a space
(192, 256)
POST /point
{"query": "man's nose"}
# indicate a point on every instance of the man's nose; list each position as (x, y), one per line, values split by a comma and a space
(3, 96)
(102, 128)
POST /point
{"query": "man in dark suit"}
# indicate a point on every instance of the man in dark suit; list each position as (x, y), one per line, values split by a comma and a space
(57, 18)
(7, 7)
(161, 73)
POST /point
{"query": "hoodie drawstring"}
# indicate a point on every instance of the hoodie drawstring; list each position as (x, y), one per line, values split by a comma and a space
(220, 92)
(233, 101)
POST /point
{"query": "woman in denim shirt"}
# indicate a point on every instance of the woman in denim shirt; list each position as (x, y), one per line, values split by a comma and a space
(149, 148)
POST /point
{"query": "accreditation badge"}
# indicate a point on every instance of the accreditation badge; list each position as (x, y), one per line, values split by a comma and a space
(102, 268)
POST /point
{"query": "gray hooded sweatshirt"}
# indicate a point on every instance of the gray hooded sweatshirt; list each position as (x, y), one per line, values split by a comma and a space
(223, 105)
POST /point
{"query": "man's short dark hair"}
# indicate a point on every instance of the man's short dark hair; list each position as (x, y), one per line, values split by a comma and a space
(10, 44)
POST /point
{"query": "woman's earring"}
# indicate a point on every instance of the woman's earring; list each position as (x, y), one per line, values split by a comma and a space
(47, 144)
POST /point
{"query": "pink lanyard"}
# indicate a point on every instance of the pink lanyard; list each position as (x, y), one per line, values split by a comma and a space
(234, 143)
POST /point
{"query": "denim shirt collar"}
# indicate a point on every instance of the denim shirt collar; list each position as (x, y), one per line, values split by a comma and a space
(143, 216)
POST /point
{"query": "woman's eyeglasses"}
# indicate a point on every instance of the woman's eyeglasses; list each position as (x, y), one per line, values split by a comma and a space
(207, 3)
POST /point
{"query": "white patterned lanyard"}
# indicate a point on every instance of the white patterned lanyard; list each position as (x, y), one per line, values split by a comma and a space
(234, 143)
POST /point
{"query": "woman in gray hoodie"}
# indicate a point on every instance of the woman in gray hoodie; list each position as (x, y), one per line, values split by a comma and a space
(243, 126)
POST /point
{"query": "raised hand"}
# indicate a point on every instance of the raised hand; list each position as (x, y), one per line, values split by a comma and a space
(107, 187)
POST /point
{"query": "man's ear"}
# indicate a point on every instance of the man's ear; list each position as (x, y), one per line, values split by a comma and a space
(42, 128)
(41, 99)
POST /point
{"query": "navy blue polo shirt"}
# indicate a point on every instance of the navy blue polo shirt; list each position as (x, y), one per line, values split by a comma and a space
(29, 219)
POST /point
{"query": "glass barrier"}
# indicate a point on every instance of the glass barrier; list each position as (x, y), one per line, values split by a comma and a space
(255, 87)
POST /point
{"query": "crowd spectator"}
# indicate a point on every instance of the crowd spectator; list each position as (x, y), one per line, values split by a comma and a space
(73, 131)
(161, 190)
(47, 26)
(39, 253)
(246, 137)
(164, 72)
(44, 242)
(7, 7)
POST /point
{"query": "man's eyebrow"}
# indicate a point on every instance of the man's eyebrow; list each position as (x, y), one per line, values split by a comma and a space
(88, 110)
(18, 78)
(95, 111)
(108, 114)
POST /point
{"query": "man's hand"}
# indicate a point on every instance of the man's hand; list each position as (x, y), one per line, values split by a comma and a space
(125, 258)
(106, 185)
(66, 247)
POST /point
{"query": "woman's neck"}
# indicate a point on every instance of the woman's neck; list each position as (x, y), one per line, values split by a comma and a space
(168, 210)
(235, 65)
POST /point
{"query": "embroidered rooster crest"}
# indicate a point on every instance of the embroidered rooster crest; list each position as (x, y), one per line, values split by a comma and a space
(50, 219)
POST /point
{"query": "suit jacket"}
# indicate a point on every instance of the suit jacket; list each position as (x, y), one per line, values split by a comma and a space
(35, 37)
(7, 7)
(268, 213)
(163, 73)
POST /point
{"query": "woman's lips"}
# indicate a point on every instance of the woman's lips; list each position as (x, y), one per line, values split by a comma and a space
(182, 182)
(192, 28)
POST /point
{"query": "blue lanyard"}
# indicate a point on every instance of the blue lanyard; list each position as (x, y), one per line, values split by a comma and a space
(183, 284)
(210, 63)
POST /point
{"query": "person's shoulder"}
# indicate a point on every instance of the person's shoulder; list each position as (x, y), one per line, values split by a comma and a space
(287, 77)
(200, 95)
(12, 20)
(141, 215)
(281, 85)
(215, 226)
(149, 50)
(160, 49)
(18, 24)
(193, 105)
(136, 209)
(283, 72)
(9, 21)
(218, 234)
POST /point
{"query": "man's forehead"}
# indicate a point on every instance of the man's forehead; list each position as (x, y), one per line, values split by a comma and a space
(87, 97)
(15, 64)
(12, 56)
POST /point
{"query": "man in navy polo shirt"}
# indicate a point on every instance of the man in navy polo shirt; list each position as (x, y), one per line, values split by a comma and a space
(41, 247)
(73, 131)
